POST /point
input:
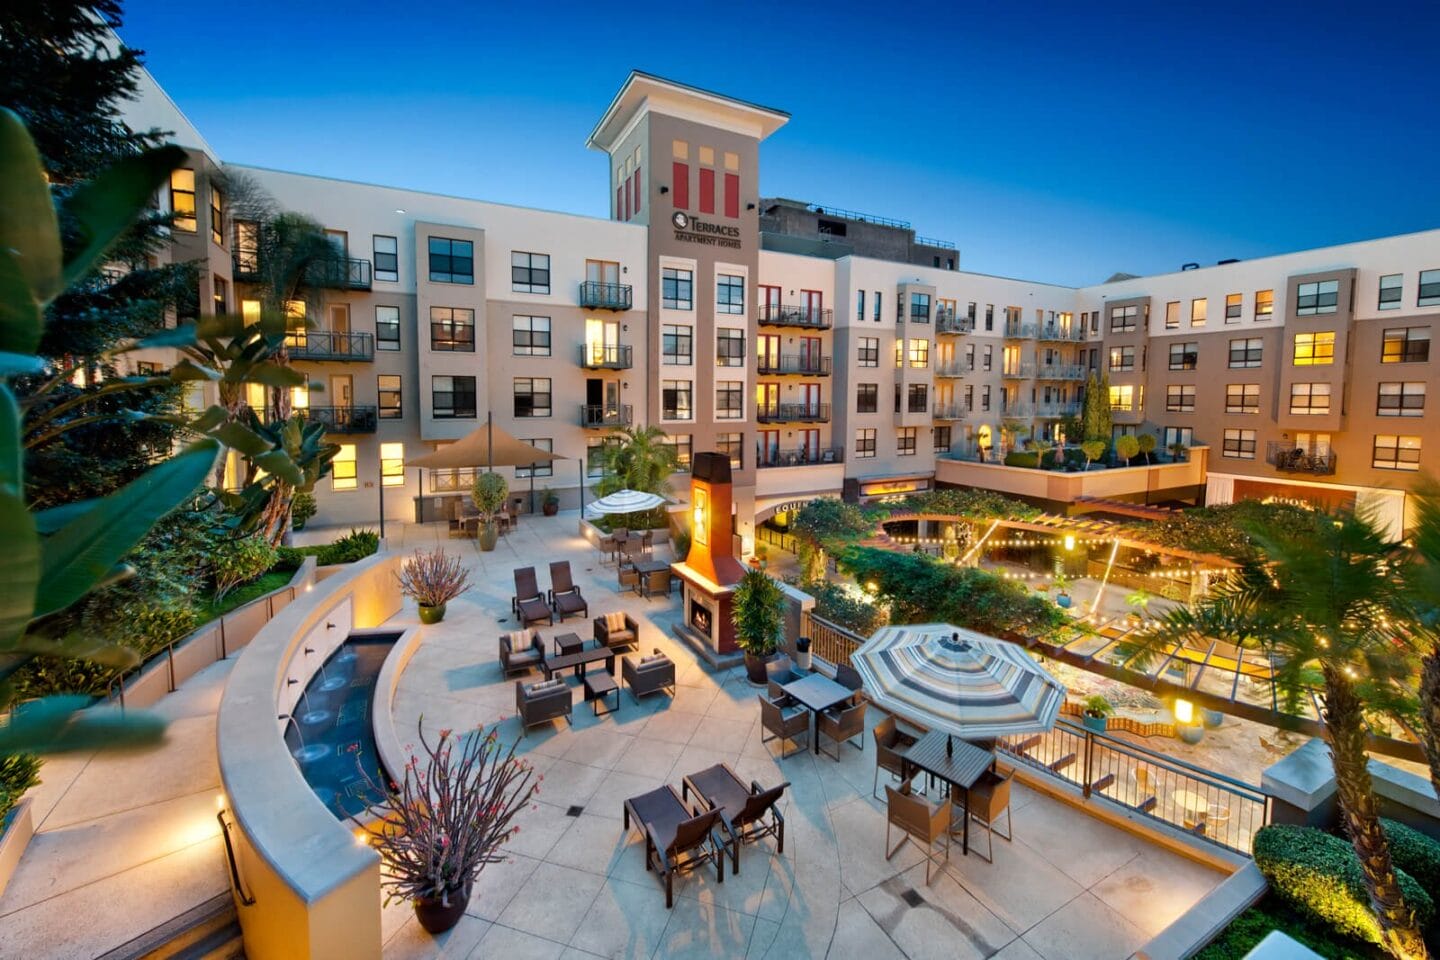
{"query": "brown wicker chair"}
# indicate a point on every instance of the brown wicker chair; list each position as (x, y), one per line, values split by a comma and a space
(627, 576)
(527, 657)
(890, 746)
(921, 822)
(565, 598)
(656, 581)
(747, 814)
(622, 638)
(644, 679)
(841, 724)
(987, 800)
(677, 838)
(777, 694)
(541, 706)
(783, 723)
(607, 548)
(529, 603)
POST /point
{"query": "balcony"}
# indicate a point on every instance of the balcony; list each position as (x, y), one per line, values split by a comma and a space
(805, 366)
(782, 315)
(1019, 371)
(605, 296)
(330, 345)
(342, 419)
(1020, 331)
(599, 417)
(950, 368)
(1017, 411)
(605, 356)
(343, 274)
(1060, 371)
(1057, 333)
(950, 411)
(799, 458)
(794, 413)
(1057, 410)
(1290, 458)
(952, 323)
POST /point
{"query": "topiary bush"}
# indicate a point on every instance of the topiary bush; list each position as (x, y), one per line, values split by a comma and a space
(1320, 875)
(1415, 853)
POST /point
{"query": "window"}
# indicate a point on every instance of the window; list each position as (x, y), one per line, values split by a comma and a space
(1391, 290)
(859, 305)
(387, 328)
(1184, 355)
(1234, 303)
(970, 313)
(682, 444)
(1314, 349)
(452, 261)
(941, 436)
(247, 246)
(969, 356)
(1401, 399)
(1238, 444)
(532, 396)
(343, 474)
(217, 217)
(392, 464)
(1309, 399)
(729, 347)
(1429, 288)
(989, 316)
(1321, 296)
(876, 314)
(387, 258)
(182, 199)
(677, 289)
(543, 468)
(1180, 398)
(985, 397)
(905, 441)
(919, 353)
(387, 386)
(595, 454)
(1199, 307)
(680, 173)
(1122, 398)
(221, 295)
(1122, 319)
(729, 294)
(675, 400)
(676, 344)
(1246, 353)
(452, 397)
(452, 329)
(530, 336)
(733, 446)
(919, 308)
(1122, 359)
(918, 398)
(1395, 453)
(147, 368)
(1242, 398)
(1172, 315)
(869, 352)
(1182, 435)
(865, 444)
(987, 360)
(867, 398)
(529, 272)
(1264, 304)
(1406, 345)
(729, 402)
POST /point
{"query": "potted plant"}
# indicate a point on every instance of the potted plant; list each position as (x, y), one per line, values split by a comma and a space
(1062, 590)
(489, 494)
(432, 579)
(549, 502)
(762, 555)
(1177, 450)
(757, 615)
(447, 820)
(1095, 713)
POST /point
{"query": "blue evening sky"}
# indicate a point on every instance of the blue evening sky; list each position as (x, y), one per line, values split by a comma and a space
(1056, 142)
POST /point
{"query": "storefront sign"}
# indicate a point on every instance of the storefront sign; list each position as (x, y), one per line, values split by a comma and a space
(694, 230)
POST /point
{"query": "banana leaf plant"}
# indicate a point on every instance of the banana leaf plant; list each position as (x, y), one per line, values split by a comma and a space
(288, 458)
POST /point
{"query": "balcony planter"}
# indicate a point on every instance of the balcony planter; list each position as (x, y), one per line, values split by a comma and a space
(1096, 713)
(431, 615)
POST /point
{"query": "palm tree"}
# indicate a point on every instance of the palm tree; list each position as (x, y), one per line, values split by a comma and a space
(641, 460)
(1422, 583)
(1319, 600)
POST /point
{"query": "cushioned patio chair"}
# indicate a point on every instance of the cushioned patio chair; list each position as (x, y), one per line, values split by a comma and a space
(746, 813)
(890, 747)
(841, 724)
(656, 582)
(647, 675)
(627, 576)
(541, 702)
(783, 723)
(920, 822)
(521, 650)
(987, 801)
(678, 838)
(529, 603)
(565, 598)
(617, 630)
(849, 678)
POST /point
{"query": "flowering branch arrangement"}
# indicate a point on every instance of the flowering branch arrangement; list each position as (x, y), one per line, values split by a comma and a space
(433, 578)
(450, 814)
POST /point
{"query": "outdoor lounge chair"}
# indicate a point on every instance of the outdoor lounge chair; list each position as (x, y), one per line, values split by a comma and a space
(677, 838)
(565, 597)
(542, 702)
(890, 746)
(987, 800)
(647, 675)
(921, 822)
(841, 724)
(617, 630)
(657, 581)
(521, 650)
(782, 723)
(746, 813)
(529, 603)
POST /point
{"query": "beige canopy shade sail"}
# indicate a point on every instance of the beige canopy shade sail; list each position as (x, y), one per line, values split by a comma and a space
(475, 449)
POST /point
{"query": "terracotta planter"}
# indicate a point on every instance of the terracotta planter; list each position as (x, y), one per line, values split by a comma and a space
(488, 535)
(435, 916)
(550, 508)
(429, 615)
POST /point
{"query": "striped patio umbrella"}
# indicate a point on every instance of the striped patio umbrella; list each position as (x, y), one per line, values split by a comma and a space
(965, 683)
(624, 501)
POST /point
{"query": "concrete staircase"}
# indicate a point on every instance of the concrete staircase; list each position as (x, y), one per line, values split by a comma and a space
(210, 931)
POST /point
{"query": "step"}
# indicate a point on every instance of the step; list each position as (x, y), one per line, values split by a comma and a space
(209, 931)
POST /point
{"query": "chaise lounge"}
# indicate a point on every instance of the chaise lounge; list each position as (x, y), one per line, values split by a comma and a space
(677, 838)
(648, 675)
(529, 603)
(565, 597)
(746, 813)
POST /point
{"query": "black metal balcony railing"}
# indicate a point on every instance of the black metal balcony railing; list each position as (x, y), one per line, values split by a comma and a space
(1299, 459)
(799, 458)
(786, 315)
(346, 274)
(802, 365)
(948, 322)
(605, 296)
(1073, 334)
(602, 417)
(342, 419)
(794, 413)
(611, 356)
(330, 345)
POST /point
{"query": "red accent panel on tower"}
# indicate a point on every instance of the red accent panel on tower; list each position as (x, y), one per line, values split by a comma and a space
(707, 190)
(680, 184)
(732, 195)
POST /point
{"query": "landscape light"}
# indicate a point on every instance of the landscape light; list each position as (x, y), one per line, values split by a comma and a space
(1184, 711)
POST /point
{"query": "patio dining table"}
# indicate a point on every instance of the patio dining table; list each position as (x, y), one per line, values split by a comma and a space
(817, 692)
(961, 765)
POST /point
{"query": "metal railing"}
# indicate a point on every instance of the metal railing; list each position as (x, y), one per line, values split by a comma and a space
(802, 365)
(1020, 331)
(793, 413)
(776, 538)
(1074, 334)
(1024, 371)
(791, 315)
(1293, 458)
(606, 356)
(605, 296)
(932, 242)
(600, 416)
(330, 345)
(843, 214)
(950, 368)
(1057, 409)
(830, 641)
(948, 322)
(342, 419)
(950, 411)
(799, 458)
(345, 274)
(1059, 371)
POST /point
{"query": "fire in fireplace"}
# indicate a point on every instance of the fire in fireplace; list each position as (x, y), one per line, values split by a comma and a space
(700, 616)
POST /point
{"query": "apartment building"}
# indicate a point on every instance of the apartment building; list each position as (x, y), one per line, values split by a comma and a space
(826, 352)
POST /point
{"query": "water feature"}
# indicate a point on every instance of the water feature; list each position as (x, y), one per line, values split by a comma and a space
(330, 736)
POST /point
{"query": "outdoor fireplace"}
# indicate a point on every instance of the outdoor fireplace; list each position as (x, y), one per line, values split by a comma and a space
(710, 571)
(700, 616)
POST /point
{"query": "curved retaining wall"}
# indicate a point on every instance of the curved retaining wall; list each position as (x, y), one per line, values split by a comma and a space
(316, 890)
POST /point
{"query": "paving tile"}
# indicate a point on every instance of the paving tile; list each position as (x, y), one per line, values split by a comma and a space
(593, 843)
(649, 758)
(609, 798)
(671, 727)
(497, 884)
(552, 901)
(1083, 847)
(1021, 887)
(412, 942)
(944, 922)
(504, 943)
(701, 931)
(858, 937)
(1085, 929)
(625, 920)
(567, 783)
(1155, 887)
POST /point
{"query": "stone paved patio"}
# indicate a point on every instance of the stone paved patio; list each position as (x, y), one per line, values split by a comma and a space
(1070, 887)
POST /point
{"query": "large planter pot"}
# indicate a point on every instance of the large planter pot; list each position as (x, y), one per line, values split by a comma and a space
(1098, 724)
(755, 669)
(1063, 600)
(432, 614)
(436, 917)
(488, 535)
(550, 508)
(1190, 733)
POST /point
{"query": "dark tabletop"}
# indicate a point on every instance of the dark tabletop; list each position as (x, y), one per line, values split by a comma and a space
(818, 692)
(965, 765)
(652, 566)
(573, 659)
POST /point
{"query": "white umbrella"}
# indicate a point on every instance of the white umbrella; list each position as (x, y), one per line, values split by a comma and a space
(624, 501)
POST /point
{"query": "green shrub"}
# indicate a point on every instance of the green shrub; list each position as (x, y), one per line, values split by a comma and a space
(1022, 458)
(838, 605)
(238, 561)
(288, 559)
(1247, 930)
(355, 545)
(976, 504)
(1320, 875)
(1416, 854)
(302, 508)
(18, 773)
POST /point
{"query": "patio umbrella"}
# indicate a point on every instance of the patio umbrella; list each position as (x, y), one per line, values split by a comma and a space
(965, 683)
(488, 446)
(625, 501)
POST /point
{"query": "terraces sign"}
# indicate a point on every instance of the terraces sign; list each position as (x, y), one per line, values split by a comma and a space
(690, 229)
